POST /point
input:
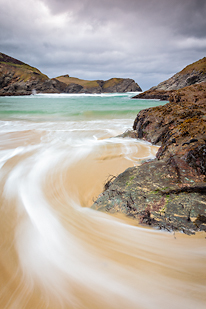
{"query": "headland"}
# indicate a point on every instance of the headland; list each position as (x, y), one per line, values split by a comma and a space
(168, 192)
(19, 78)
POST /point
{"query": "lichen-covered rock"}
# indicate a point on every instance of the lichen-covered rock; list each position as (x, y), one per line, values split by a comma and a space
(170, 191)
(155, 194)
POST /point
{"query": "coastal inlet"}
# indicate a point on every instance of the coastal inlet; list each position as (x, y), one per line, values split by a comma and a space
(56, 153)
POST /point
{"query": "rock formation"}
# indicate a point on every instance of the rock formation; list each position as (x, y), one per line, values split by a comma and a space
(170, 191)
(194, 73)
(76, 85)
(19, 78)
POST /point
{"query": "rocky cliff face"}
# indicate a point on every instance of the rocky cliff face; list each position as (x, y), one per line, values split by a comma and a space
(194, 73)
(19, 78)
(162, 95)
(179, 126)
(75, 85)
(170, 191)
(120, 85)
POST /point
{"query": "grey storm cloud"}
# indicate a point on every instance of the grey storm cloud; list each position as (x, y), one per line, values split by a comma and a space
(148, 40)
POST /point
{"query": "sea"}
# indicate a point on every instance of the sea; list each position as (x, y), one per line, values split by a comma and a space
(56, 153)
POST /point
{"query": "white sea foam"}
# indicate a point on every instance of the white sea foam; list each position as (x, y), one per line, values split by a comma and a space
(58, 258)
(48, 253)
(117, 126)
(69, 95)
(5, 155)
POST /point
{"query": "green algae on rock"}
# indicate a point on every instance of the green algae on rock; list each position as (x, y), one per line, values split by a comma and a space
(170, 191)
(152, 194)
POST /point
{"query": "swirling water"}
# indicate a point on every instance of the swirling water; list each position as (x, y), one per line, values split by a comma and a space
(56, 151)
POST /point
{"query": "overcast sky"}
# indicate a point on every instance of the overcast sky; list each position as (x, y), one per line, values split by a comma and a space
(147, 40)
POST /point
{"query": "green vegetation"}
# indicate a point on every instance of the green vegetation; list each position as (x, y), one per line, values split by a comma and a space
(73, 80)
(199, 66)
(112, 82)
(21, 70)
(89, 83)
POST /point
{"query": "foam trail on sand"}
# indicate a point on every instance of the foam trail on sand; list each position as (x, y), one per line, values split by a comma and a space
(58, 257)
(56, 252)
(47, 252)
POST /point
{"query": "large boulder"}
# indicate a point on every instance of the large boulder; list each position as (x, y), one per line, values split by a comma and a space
(170, 191)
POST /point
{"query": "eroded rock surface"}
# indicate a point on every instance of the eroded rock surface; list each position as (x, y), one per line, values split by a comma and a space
(170, 191)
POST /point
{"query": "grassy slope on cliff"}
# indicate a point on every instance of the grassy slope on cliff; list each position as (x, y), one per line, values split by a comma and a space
(194, 73)
(19, 78)
(198, 66)
(87, 84)
(112, 82)
(19, 69)
(74, 80)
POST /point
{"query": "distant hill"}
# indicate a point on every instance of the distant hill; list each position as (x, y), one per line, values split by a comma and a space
(19, 78)
(98, 86)
(192, 74)
(21, 71)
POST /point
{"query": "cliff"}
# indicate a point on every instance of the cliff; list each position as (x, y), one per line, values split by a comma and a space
(194, 73)
(76, 85)
(170, 191)
(19, 78)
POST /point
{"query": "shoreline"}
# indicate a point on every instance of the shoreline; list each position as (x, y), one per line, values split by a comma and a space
(168, 192)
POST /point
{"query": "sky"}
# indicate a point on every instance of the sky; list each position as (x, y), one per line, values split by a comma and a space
(146, 40)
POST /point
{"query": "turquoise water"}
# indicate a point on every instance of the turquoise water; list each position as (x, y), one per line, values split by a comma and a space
(72, 107)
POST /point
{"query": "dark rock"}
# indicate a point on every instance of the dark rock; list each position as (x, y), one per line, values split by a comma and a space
(73, 88)
(91, 90)
(101, 83)
(120, 85)
(196, 157)
(154, 95)
(152, 195)
(178, 123)
(170, 191)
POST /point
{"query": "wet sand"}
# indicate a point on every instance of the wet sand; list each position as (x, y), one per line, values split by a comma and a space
(56, 252)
